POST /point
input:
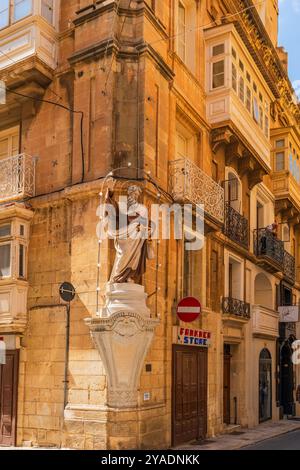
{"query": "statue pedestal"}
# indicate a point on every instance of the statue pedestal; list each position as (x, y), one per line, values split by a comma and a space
(125, 297)
(123, 334)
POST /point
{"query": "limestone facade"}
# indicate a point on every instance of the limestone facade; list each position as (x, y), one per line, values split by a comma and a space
(198, 102)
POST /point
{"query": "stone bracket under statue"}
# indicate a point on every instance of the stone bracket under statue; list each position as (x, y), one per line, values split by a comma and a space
(123, 333)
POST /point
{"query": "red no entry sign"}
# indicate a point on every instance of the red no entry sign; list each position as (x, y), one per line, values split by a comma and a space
(188, 309)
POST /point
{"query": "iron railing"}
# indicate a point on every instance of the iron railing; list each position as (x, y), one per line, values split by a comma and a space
(266, 244)
(289, 268)
(17, 177)
(188, 183)
(236, 226)
(236, 307)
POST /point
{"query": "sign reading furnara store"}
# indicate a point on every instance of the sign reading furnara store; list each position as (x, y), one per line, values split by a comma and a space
(191, 336)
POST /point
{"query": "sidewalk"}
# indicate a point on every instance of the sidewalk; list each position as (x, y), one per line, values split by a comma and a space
(246, 437)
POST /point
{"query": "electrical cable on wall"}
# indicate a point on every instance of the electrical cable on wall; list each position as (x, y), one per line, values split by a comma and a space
(59, 105)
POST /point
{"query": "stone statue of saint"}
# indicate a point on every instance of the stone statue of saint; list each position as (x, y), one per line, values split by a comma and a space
(132, 240)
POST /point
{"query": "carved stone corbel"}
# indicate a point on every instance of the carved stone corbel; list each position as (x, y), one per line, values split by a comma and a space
(256, 177)
(219, 137)
(235, 150)
(281, 206)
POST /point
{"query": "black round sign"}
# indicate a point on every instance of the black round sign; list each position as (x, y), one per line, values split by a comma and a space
(67, 292)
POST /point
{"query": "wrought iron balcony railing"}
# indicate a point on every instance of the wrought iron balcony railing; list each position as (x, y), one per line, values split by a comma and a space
(236, 307)
(289, 268)
(236, 226)
(188, 183)
(17, 177)
(268, 246)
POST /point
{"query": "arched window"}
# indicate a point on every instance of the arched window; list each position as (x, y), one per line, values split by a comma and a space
(233, 190)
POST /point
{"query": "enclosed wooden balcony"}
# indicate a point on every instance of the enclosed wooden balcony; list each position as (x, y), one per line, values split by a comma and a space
(237, 103)
(17, 178)
(14, 238)
(286, 173)
(190, 184)
(28, 45)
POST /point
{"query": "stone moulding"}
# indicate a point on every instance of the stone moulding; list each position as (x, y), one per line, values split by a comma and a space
(122, 340)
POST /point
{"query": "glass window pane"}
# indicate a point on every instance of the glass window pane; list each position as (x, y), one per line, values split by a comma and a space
(5, 268)
(219, 49)
(234, 78)
(21, 261)
(248, 99)
(5, 230)
(279, 143)
(22, 8)
(47, 10)
(255, 109)
(279, 161)
(242, 90)
(218, 74)
(4, 13)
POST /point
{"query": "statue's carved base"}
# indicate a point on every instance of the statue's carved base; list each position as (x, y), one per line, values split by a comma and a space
(126, 297)
(123, 333)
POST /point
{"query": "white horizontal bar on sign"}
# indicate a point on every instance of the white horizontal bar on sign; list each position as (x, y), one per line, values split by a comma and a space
(188, 310)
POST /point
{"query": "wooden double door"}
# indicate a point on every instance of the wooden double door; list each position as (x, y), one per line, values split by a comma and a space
(189, 414)
(8, 398)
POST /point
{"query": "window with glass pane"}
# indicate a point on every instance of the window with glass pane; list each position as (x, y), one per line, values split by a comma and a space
(22, 8)
(21, 261)
(255, 109)
(9, 145)
(266, 126)
(248, 99)
(279, 143)
(5, 260)
(5, 230)
(218, 50)
(4, 13)
(279, 161)
(181, 31)
(218, 70)
(261, 118)
(242, 89)
(47, 10)
(234, 78)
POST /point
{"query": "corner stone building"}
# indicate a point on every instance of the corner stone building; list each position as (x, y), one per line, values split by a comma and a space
(195, 92)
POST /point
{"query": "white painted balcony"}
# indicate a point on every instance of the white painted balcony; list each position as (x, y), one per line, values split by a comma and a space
(17, 177)
(190, 184)
(28, 31)
(265, 322)
(238, 97)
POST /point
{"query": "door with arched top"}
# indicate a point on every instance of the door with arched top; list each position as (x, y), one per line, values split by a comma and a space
(265, 385)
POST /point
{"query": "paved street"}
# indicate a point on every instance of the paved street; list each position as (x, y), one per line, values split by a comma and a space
(288, 441)
(277, 434)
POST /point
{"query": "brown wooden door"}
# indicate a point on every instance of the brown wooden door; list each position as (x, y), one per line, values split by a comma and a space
(226, 386)
(189, 420)
(8, 398)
